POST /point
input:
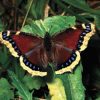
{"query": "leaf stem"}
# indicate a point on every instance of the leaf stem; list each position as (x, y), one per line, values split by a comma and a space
(27, 14)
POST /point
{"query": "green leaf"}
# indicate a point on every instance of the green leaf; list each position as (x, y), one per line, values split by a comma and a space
(34, 28)
(17, 68)
(83, 6)
(97, 98)
(40, 24)
(28, 29)
(76, 84)
(73, 84)
(5, 90)
(23, 91)
(33, 82)
(97, 95)
(56, 24)
(51, 25)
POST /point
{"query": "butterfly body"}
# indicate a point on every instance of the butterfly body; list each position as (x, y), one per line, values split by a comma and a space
(62, 50)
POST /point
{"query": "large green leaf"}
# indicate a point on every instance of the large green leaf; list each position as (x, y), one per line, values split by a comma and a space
(23, 91)
(55, 24)
(52, 25)
(5, 90)
(73, 84)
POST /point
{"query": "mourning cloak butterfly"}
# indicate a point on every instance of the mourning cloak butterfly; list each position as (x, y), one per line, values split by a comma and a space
(35, 53)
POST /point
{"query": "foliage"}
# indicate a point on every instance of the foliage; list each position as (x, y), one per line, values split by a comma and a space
(23, 91)
(33, 16)
(73, 84)
(57, 90)
(50, 25)
(5, 90)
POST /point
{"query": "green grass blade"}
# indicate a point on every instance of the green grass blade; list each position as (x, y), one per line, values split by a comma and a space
(22, 89)
(83, 6)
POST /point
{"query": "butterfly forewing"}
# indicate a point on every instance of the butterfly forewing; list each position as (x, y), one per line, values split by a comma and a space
(26, 43)
(69, 38)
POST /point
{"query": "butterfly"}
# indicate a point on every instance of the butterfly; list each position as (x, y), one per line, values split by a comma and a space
(62, 50)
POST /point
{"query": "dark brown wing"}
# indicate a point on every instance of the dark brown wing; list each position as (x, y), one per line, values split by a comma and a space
(68, 46)
(27, 48)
